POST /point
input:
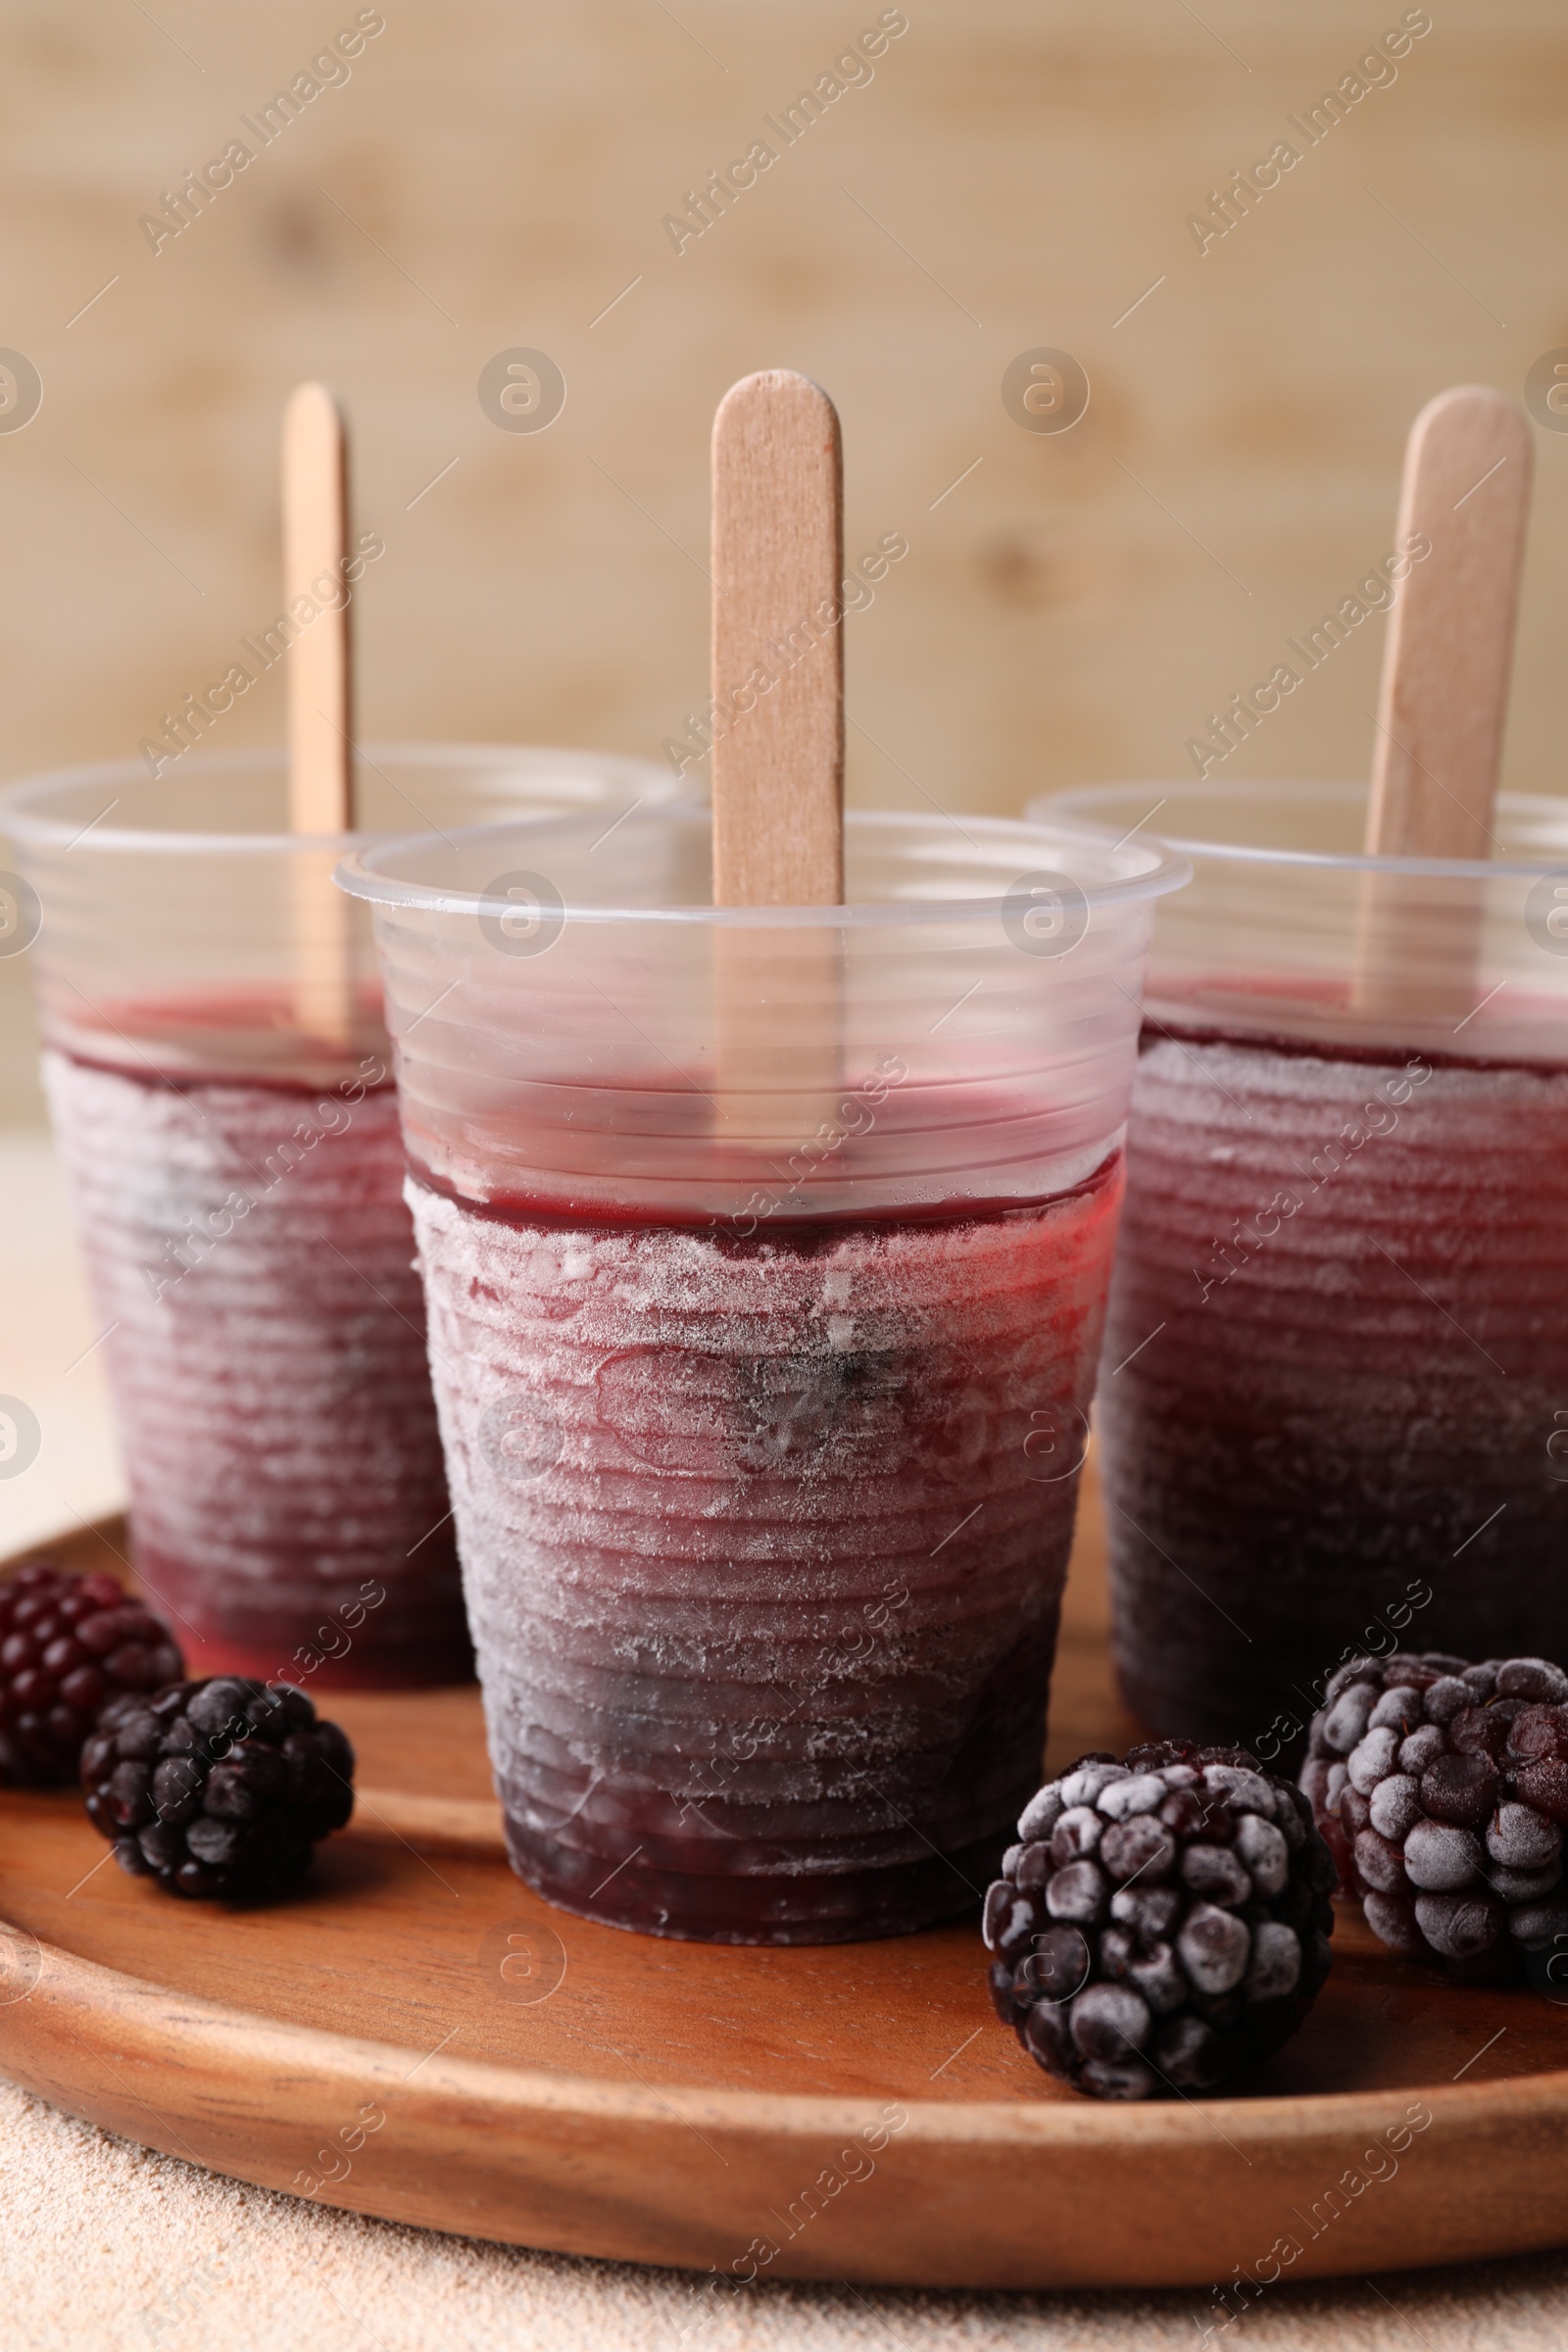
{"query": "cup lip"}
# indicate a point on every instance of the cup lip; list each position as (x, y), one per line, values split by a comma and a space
(24, 805)
(1083, 804)
(1161, 869)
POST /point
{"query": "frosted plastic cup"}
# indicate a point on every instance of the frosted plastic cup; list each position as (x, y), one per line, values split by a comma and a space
(765, 1253)
(1334, 1398)
(221, 1086)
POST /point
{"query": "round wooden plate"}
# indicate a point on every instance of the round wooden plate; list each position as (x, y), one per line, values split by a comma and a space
(419, 2037)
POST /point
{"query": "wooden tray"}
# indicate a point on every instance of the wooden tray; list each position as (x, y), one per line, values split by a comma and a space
(421, 2038)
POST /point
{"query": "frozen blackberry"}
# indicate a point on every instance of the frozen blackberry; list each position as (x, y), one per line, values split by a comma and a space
(218, 1788)
(1162, 1923)
(69, 1645)
(1442, 1789)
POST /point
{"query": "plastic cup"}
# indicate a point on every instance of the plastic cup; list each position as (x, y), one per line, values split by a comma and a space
(765, 1253)
(220, 1087)
(1334, 1400)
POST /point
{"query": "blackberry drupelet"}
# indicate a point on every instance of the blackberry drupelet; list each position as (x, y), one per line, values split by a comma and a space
(1163, 1924)
(218, 1788)
(1442, 1789)
(69, 1646)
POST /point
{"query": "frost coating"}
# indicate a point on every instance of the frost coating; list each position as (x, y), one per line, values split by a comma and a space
(783, 1609)
(270, 1383)
(1302, 1390)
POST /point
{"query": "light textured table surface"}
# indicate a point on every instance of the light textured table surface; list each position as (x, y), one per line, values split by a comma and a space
(104, 2244)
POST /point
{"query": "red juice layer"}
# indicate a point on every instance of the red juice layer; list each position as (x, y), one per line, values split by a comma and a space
(250, 1258)
(1337, 1368)
(232, 1034)
(763, 1543)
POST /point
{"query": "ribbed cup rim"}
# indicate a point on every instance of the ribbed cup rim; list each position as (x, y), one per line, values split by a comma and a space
(1153, 868)
(23, 806)
(1088, 803)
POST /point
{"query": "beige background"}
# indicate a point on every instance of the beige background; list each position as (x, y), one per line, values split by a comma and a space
(496, 171)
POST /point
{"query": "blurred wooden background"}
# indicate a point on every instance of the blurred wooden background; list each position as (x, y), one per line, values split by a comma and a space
(1015, 173)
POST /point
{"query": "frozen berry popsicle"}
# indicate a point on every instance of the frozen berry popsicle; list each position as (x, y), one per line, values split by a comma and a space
(766, 1172)
(236, 1181)
(763, 1481)
(1336, 1357)
(220, 1079)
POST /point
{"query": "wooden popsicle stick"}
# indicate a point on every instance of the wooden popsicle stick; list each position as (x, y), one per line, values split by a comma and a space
(1465, 500)
(315, 547)
(777, 771)
(1445, 695)
(321, 775)
(779, 562)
